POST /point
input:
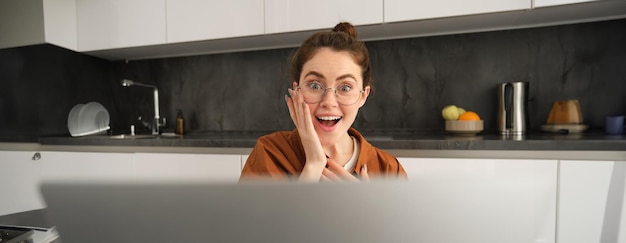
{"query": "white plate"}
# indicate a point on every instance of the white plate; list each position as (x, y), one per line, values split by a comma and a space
(72, 118)
(571, 128)
(90, 118)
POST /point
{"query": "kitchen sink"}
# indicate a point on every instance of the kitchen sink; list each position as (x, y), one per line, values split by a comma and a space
(128, 136)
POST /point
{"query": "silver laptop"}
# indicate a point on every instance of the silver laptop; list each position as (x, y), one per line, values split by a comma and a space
(279, 212)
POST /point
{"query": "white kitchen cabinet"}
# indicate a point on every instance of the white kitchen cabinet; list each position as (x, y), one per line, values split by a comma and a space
(30, 22)
(545, 3)
(592, 206)
(20, 173)
(142, 29)
(290, 16)
(489, 200)
(406, 10)
(120, 23)
(244, 158)
(195, 20)
(87, 166)
(187, 167)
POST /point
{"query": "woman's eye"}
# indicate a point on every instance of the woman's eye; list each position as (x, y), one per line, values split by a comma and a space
(314, 85)
(345, 88)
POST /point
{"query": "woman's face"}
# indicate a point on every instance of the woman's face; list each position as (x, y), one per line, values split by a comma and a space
(331, 68)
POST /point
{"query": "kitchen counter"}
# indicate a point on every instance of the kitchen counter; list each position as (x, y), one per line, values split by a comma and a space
(392, 140)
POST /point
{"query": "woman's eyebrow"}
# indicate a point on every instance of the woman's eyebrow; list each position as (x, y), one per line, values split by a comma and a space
(319, 75)
(346, 76)
(314, 73)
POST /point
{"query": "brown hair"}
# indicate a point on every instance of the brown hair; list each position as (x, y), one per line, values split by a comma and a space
(342, 38)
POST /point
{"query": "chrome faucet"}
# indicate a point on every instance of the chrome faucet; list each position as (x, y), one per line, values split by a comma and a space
(156, 121)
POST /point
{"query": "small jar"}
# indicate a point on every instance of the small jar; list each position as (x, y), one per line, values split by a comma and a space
(180, 123)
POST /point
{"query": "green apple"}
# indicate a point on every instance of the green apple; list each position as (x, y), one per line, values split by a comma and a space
(450, 112)
(461, 110)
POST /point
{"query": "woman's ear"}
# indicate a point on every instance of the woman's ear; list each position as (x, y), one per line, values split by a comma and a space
(364, 95)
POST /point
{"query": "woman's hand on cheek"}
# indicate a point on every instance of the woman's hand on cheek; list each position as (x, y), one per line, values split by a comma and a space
(301, 115)
(303, 119)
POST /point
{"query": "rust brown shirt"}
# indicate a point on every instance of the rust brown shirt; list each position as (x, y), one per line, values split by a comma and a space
(280, 155)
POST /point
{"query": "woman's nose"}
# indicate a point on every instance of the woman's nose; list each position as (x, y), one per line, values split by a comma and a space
(330, 96)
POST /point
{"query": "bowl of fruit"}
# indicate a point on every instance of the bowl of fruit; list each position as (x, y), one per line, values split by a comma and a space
(461, 122)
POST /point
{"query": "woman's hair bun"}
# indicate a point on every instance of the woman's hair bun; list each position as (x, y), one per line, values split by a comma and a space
(346, 27)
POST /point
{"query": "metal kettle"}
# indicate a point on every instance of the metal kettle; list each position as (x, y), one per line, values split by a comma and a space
(513, 108)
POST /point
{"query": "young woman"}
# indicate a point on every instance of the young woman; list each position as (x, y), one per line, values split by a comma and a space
(331, 81)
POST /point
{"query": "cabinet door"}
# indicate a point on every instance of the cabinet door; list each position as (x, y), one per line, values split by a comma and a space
(120, 23)
(187, 167)
(489, 200)
(87, 166)
(404, 10)
(60, 23)
(545, 3)
(592, 206)
(193, 20)
(288, 16)
(20, 172)
(36, 22)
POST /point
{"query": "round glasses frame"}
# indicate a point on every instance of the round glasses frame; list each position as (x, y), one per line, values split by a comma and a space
(336, 95)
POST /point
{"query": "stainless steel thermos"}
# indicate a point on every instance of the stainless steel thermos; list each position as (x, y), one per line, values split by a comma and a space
(513, 108)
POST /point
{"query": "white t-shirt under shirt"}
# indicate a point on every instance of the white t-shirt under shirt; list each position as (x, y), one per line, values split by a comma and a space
(355, 155)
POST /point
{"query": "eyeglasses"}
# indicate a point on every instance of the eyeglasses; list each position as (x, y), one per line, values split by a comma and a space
(345, 93)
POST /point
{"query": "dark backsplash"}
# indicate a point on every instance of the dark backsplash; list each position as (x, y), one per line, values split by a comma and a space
(414, 79)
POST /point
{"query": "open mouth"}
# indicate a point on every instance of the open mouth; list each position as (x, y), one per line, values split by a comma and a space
(328, 120)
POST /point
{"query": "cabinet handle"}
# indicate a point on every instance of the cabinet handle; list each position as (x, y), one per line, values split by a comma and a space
(36, 156)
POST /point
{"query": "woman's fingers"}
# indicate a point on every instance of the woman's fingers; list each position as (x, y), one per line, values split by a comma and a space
(296, 108)
(323, 178)
(292, 114)
(363, 174)
(299, 110)
(328, 175)
(336, 172)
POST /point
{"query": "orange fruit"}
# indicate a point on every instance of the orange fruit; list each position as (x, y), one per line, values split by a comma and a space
(469, 115)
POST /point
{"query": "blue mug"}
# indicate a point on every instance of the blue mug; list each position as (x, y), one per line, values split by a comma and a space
(614, 125)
